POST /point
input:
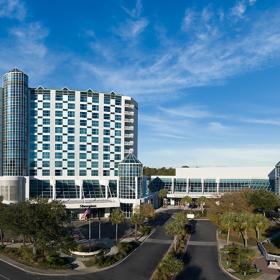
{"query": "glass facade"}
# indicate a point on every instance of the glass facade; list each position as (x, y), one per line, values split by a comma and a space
(131, 178)
(15, 124)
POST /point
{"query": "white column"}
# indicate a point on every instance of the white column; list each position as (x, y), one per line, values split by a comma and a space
(52, 182)
(202, 186)
(172, 186)
(218, 185)
(118, 188)
(188, 182)
(80, 184)
(106, 190)
(136, 188)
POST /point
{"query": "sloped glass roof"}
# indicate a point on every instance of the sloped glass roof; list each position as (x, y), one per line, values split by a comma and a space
(130, 158)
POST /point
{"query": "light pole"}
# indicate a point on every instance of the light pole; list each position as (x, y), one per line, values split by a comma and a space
(99, 224)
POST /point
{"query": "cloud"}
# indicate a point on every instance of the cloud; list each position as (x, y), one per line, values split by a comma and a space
(12, 9)
(273, 122)
(132, 28)
(239, 9)
(202, 58)
(136, 11)
(208, 156)
(187, 111)
(217, 127)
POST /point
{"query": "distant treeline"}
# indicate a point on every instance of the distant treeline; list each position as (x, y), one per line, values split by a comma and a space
(148, 171)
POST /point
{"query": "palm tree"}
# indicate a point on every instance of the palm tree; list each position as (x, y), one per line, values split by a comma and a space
(170, 267)
(243, 224)
(260, 224)
(117, 217)
(227, 221)
(137, 220)
(201, 201)
(176, 227)
(186, 200)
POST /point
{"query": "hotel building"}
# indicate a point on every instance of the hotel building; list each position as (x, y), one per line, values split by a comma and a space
(68, 145)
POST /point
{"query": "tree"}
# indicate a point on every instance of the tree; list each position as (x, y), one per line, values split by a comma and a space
(147, 210)
(227, 222)
(117, 217)
(201, 201)
(177, 227)
(186, 200)
(260, 224)
(263, 200)
(137, 220)
(170, 267)
(43, 224)
(243, 224)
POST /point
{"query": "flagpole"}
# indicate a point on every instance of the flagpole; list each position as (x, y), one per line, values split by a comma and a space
(89, 235)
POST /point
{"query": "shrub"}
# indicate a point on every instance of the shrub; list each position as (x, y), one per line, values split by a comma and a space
(145, 230)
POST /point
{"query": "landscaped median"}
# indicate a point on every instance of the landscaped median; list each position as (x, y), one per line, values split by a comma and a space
(172, 262)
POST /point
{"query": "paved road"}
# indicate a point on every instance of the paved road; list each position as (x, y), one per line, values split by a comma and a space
(138, 266)
(201, 258)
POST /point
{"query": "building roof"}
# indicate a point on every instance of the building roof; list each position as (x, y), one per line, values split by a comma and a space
(15, 70)
(131, 158)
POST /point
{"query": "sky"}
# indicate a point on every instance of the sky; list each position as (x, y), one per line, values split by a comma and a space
(206, 74)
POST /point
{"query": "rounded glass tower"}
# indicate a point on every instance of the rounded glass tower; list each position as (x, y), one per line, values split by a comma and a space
(130, 177)
(15, 123)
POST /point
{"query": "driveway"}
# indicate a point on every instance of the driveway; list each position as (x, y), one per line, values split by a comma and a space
(201, 258)
(138, 266)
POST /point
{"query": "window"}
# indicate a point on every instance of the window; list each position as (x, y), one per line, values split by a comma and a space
(106, 116)
(94, 164)
(118, 125)
(83, 106)
(106, 99)
(58, 172)
(118, 110)
(83, 131)
(106, 148)
(95, 99)
(118, 141)
(106, 156)
(83, 173)
(46, 113)
(83, 98)
(46, 121)
(83, 147)
(70, 172)
(117, 149)
(58, 138)
(46, 138)
(46, 155)
(94, 148)
(107, 109)
(106, 173)
(71, 98)
(118, 101)
(58, 113)
(83, 114)
(46, 172)
(118, 117)
(58, 105)
(58, 155)
(95, 123)
(83, 123)
(95, 107)
(58, 97)
(106, 132)
(71, 147)
(46, 96)
(71, 164)
(58, 130)
(83, 155)
(95, 115)
(58, 146)
(46, 105)
(83, 139)
(71, 122)
(106, 164)
(71, 106)
(46, 164)
(94, 156)
(117, 157)
(106, 140)
(71, 138)
(71, 156)
(58, 164)
(83, 164)
(94, 139)
(118, 133)
(71, 130)
(106, 124)
(46, 147)
(46, 129)
(95, 131)
(58, 121)
(94, 172)
(71, 114)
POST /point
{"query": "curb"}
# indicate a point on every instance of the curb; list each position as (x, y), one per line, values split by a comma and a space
(220, 260)
(13, 263)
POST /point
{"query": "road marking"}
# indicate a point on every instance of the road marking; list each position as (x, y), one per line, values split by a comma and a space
(4, 277)
(159, 241)
(202, 243)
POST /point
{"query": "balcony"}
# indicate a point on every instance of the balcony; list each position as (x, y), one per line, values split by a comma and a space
(129, 113)
(131, 135)
(129, 143)
(129, 127)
